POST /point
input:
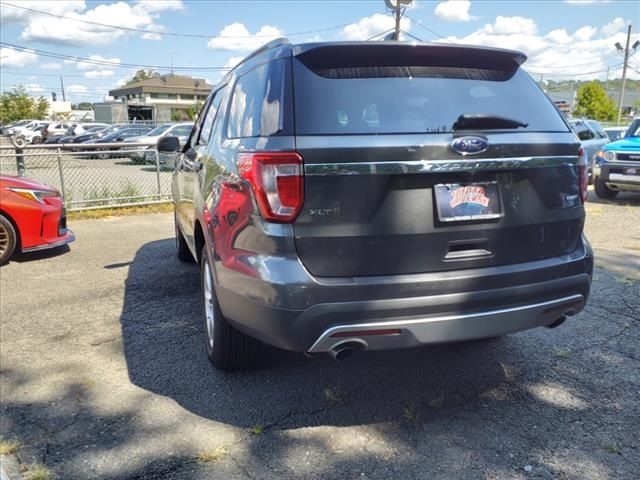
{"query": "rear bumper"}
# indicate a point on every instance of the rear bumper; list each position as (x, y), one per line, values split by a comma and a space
(427, 308)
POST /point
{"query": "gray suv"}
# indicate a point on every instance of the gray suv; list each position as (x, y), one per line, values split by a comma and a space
(342, 197)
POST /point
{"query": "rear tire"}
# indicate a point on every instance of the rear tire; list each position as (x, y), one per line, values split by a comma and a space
(604, 192)
(7, 240)
(227, 348)
(182, 250)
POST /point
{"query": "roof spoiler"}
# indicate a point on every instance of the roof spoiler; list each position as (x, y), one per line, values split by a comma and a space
(367, 54)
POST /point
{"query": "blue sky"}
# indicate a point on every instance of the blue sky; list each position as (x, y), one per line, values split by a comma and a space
(563, 39)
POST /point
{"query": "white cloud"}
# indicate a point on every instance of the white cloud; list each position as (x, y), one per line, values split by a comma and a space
(454, 11)
(77, 88)
(368, 27)
(50, 66)
(34, 88)
(233, 61)
(585, 33)
(511, 25)
(236, 37)
(153, 6)
(10, 57)
(586, 2)
(98, 73)
(557, 54)
(70, 31)
(614, 26)
(59, 7)
(84, 65)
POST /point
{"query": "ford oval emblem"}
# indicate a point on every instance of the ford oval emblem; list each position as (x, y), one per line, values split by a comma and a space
(470, 145)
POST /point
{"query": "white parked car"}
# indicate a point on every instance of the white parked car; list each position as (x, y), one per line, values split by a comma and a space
(55, 130)
(10, 128)
(615, 133)
(180, 130)
(24, 129)
(80, 128)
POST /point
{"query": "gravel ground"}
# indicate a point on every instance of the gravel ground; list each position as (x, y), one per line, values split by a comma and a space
(103, 375)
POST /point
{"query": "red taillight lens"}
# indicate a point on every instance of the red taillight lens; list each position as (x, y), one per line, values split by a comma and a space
(277, 181)
(583, 176)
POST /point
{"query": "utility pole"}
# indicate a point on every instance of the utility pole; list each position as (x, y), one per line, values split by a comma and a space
(64, 98)
(397, 28)
(624, 73)
(607, 84)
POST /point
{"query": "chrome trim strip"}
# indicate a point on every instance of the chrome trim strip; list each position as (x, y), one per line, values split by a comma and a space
(449, 327)
(426, 166)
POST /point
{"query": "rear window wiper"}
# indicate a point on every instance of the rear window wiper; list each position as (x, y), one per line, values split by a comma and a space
(485, 121)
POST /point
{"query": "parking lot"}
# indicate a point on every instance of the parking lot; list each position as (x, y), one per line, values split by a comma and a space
(90, 182)
(104, 375)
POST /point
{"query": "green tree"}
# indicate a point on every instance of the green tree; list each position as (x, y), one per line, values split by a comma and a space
(593, 102)
(18, 105)
(194, 110)
(142, 75)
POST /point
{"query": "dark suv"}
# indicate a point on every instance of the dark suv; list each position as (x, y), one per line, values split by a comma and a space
(377, 195)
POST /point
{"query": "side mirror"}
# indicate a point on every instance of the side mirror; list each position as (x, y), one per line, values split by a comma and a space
(120, 138)
(168, 144)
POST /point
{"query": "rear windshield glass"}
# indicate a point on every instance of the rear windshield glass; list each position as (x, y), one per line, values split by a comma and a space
(414, 99)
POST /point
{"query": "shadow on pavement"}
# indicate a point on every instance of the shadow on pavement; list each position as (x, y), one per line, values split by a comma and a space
(40, 255)
(163, 345)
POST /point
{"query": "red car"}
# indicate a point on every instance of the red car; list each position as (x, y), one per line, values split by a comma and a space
(32, 217)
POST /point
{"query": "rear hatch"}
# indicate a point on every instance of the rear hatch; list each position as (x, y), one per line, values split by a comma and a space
(429, 158)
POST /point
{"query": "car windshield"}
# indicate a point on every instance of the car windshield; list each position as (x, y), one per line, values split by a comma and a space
(158, 130)
(634, 129)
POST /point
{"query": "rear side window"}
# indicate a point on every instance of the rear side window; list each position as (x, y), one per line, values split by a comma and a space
(413, 99)
(258, 102)
(583, 131)
(207, 123)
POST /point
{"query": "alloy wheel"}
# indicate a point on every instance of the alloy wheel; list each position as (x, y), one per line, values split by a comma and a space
(4, 239)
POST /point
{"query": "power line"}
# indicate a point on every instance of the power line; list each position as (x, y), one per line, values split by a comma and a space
(572, 74)
(91, 61)
(593, 62)
(426, 28)
(171, 34)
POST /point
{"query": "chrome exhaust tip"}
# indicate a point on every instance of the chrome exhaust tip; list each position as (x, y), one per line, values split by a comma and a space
(559, 321)
(344, 350)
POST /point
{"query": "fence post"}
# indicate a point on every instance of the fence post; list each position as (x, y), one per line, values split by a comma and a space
(158, 173)
(20, 161)
(62, 189)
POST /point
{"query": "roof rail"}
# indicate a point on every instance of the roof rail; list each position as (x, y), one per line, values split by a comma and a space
(278, 42)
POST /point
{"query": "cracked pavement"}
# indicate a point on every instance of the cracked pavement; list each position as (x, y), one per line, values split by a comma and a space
(103, 375)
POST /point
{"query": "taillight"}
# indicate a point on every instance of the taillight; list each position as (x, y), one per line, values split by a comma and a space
(277, 182)
(583, 175)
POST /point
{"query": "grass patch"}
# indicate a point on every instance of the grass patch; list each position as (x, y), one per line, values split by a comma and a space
(333, 395)
(410, 414)
(211, 455)
(7, 447)
(612, 448)
(257, 429)
(38, 472)
(120, 211)
(438, 401)
(561, 352)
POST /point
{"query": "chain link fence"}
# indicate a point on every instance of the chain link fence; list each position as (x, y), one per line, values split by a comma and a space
(94, 175)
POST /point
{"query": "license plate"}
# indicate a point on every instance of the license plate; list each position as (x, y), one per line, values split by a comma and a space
(468, 202)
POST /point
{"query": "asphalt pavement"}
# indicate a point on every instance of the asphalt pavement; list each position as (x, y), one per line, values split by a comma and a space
(103, 375)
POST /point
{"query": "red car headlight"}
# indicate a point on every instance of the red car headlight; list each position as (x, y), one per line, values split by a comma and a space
(36, 195)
